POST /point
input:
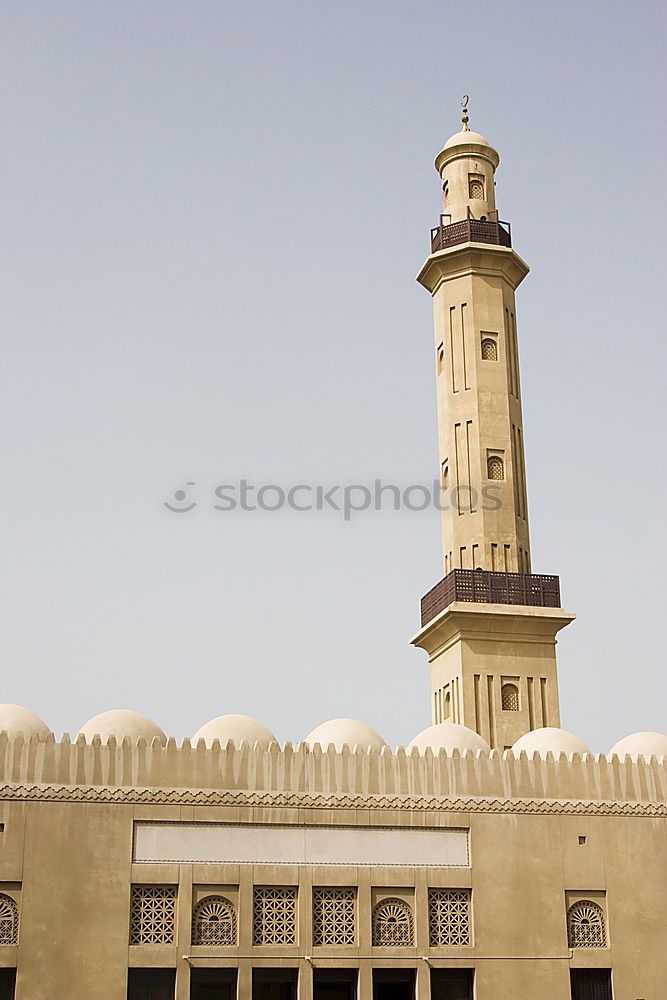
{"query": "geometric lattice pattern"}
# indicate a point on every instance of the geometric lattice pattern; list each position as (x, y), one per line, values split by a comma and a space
(392, 923)
(510, 698)
(476, 188)
(489, 349)
(585, 925)
(9, 920)
(495, 467)
(334, 916)
(274, 916)
(214, 922)
(449, 917)
(153, 914)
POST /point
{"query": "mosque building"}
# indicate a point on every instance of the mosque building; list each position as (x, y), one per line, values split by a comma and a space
(493, 858)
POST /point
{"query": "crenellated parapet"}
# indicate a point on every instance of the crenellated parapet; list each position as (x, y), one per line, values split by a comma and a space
(296, 774)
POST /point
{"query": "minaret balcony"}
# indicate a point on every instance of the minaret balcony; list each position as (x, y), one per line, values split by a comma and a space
(480, 586)
(470, 231)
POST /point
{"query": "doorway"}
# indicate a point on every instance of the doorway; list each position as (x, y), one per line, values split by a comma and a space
(335, 984)
(213, 984)
(451, 984)
(274, 984)
(393, 984)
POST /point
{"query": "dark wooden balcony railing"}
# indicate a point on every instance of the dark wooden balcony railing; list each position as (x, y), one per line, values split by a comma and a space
(483, 587)
(470, 231)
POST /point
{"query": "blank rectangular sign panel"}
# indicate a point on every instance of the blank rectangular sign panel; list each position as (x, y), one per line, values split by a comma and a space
(226, 843)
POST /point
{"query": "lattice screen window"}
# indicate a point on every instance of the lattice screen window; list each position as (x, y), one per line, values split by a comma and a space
(585, 925)
(153, 914)
(274, 916)
(214, 922)
(9, 920)
(449, 917)
(495, 467)
(509, 695)
(475, 186)
(489, 349)
(392, 923)
(334, 916)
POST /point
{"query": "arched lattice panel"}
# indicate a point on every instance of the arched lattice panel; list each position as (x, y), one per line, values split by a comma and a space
(585, 925)
(489, 349)
(510, 698)
(495, 467)
(392, 923)
(475, 186)
(214, 922)
(9, 920)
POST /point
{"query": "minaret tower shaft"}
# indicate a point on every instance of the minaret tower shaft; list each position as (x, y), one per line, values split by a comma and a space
(489, 627)
(480, 426)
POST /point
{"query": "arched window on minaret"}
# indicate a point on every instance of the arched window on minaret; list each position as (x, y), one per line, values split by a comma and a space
(489, 349)
(495, 467)
(510, 698)
(476, 186)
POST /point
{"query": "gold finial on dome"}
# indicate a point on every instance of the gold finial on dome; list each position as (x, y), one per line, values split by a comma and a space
(464, 119)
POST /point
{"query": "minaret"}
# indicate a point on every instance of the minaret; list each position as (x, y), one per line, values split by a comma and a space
(489, 627)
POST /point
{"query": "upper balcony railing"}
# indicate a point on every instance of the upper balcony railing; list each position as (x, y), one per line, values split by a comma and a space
(470, 231)
(484, 587)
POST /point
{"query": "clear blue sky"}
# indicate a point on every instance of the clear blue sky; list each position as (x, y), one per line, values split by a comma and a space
(212, 216)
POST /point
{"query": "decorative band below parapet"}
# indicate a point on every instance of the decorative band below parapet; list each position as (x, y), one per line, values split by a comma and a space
(305, 800)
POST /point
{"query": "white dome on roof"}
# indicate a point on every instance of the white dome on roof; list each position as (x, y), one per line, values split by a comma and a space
(344, 732)
(449, 736)
(641, 745)
(238, 728)
(122, 722)
(543, 741)
(465, 136)
(16, 720)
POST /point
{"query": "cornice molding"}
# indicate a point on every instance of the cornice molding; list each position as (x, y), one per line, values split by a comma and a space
(305, 800)
(481, 259)
(493, 622)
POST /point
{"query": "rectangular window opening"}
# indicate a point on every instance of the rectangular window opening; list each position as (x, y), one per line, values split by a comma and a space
(7, 984)
(213, 984)
(590, 984)
(451, 984)
(393, 984)
(335, 984)
(274, 984)
(151, 984)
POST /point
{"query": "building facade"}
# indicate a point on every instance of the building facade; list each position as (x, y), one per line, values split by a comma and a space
(494, 858)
